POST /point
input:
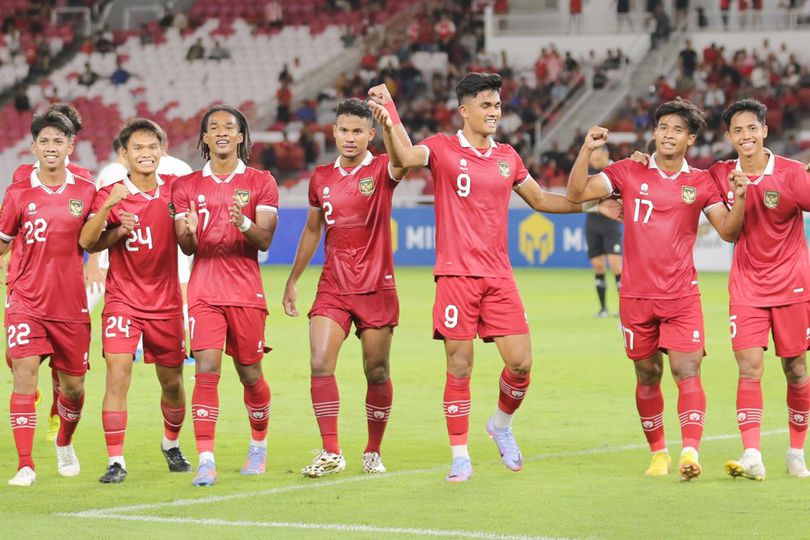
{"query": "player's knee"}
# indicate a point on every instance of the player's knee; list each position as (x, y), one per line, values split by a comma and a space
(649, 375)
(72, 390)
(377, 374)
(522, 367)
(172, 388)
(320, 366)
(459, 365)
(795, 371)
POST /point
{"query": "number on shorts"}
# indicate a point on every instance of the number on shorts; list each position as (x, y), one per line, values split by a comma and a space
(116, 324)
(463, 185)
(450, 316)
(192, 323)
(629, 338)
(327, 213)
(732, 322)
(17, 335)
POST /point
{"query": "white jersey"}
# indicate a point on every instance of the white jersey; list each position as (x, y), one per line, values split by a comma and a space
(110, 174)
(171, 165)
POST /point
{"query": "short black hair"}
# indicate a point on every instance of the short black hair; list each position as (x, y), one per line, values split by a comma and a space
(71, 112)
(759, 109)
(355, 107)
(474, 83)
(139, 124)
(689, 112)
(116, 144)
(52, 119)
(243, 150)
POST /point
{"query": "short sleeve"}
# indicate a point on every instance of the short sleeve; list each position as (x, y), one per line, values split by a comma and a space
(801, 188)
(9, 217)
(714, 196)
(314, 200)
(267, 200)
(385, 172)
(521, 175)
(432, 146)
(98, 202)
(719, 179)
(180, 198)
(614, 174)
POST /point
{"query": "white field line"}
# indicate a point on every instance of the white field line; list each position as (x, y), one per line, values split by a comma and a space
(370, 477)
(442, 533)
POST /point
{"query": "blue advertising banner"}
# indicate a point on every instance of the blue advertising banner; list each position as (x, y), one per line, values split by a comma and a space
(555, 241)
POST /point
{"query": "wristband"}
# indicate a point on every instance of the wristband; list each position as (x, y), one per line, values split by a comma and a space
(589, 207)
(391, 107)
(246, 223)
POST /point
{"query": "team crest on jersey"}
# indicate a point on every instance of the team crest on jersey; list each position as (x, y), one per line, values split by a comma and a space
(171, 210)
(75, 207)
(771, 199)
(366, 186)
(503, 168)
(243, 196)
(688, 194)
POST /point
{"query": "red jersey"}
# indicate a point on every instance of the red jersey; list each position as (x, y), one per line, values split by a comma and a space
(771, 263)
(23, 172)
(142, 278)
(226, 266)
(661, 215)
(472, 191)
(47, 281)
(356, 208)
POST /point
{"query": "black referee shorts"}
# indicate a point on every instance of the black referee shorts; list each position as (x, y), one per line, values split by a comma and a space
(604, 236)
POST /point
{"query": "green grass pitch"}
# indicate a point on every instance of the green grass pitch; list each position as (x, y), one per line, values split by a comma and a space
(578, 430)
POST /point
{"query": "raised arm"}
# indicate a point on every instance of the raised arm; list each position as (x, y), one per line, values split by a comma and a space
(380, 95)
(729, 224)
(582, 187)
(402, 157)
(310, 237)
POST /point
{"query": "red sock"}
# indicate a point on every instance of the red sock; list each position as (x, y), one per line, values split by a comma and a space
(457, 408)
(54, 391)
(205, 410)
(257, 402)
(23, 425)
(650, 405)
(513, 390)
(172, 420)
(115, 427)
(326, 403)
(378, 406)
(798, 402)
(691, 411)
(749, 411)
(70, 411)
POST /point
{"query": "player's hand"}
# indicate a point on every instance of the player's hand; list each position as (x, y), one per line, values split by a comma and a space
(118, 193)
(739, 185)
(611, 208)
(380, 94)
(290, 296)
(640, 157)
(127, 222)
(94, 276)
(596, 137)
(381, 115)
(237, 217)
(192, 219)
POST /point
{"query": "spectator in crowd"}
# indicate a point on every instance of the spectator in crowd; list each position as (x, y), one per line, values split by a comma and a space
(688, 58)
(21, 101)
(218, 52)
(623, 9)
(196, 51)
(663, 26)
(274, 14)
(88, 77)
(283, 99)
(120, 75)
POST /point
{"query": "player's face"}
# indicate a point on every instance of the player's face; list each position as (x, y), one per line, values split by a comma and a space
(352, 135)
(747, 134)
(222, 134)
(482, 112)
(142, 152)
(51, 147)
(672, 137)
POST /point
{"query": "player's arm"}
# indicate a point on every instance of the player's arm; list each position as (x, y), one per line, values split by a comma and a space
(94, 227)
(582, 187)
(402, 156)
(9, 225)
(114, 235)
(729, 223)
(380, 94)
(5, 247)
(310, 237)
(258, 234)
(553, 203)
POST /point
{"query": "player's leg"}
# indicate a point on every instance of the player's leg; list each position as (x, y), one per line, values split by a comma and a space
(612, 243)
(53, 417)
(596, 254)
(615, 263)
(327, 332)
(184, 263)
(23, 414)
(114, 414)
(516, 351)
(376, 345)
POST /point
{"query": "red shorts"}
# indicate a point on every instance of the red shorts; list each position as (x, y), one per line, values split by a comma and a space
(652, 324)
(164, 341)
(67, 343)
(240, 328)
(466, 306)
(377, 309)
(790, 325)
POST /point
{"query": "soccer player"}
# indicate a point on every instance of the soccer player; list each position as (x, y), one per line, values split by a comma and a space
(659, 302)
(476, 292)
(350, 198)
(225, 214)
(46, 305)
(142, 299)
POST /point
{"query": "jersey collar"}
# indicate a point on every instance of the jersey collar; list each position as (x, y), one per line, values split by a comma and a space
(769, 168)
(240, 169)
(654, 165)
(37, 183)
(133, 189)
(365, 163)
(462, 140)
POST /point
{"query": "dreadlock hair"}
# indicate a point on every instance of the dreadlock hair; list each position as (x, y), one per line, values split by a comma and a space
(139, 124)
(688, 112)
(474, 83)
(52, 119)
(70, 111)
(243, 150)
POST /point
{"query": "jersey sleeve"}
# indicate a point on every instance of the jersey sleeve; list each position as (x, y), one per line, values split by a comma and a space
(714, 197)
(614, 174)
(385, 172)
(268, 194)
(431, 145)
(801, 188)
(314, 199)
(9, 217)
(521, 172)
(98, 201)
(180, 198)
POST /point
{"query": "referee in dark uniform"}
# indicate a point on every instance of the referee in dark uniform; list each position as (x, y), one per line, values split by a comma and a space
(604, 237)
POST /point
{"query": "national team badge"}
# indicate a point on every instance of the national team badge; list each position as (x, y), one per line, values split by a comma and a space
(366, 186)
(243, 196)
(76, 207)
(171, 210)
(688, 194)
(771, 199)
(503, 168)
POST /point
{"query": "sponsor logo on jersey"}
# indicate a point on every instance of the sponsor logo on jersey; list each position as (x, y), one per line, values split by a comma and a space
(172, 211)
(243, 196)
(688, 194)
(75, 207)
(32, 208)
(536, 240)
(326, 192)
(366, 186)
(503, 168)
(771, 199)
